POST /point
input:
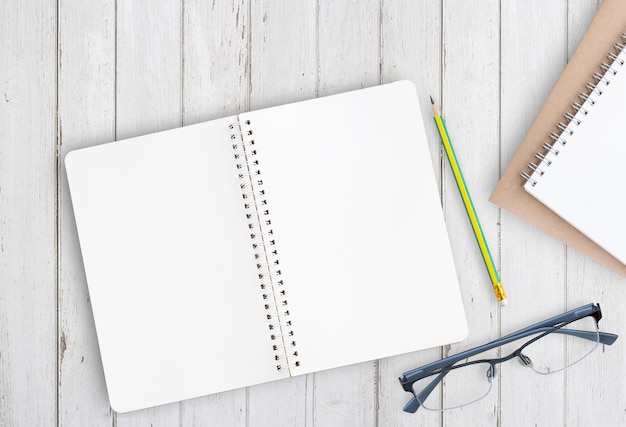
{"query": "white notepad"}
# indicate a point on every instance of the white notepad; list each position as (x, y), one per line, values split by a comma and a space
(307, 237)
(582, 175)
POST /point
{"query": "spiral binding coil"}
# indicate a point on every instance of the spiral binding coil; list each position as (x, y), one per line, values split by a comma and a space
(273, 293)
(576, 117)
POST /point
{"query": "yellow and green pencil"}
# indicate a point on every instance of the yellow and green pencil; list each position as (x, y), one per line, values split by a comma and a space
(469, 206)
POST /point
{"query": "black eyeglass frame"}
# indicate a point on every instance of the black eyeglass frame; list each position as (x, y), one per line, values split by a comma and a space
(554, 324)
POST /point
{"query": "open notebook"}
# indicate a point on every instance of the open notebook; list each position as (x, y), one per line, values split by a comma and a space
(580, 175)
(265, 245)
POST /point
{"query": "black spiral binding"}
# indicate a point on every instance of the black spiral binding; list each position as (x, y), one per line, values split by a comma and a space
(271, 283)
(557, 140)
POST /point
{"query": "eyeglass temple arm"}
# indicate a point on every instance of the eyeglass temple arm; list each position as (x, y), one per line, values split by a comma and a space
(413, 405)
(577, 313)
(409, 377)
(604, 337)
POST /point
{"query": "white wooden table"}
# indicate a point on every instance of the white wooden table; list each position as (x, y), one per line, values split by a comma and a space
(76, 73)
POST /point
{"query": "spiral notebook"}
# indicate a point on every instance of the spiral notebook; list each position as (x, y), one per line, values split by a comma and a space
(579, 174)
(265, 245)
(599, 40)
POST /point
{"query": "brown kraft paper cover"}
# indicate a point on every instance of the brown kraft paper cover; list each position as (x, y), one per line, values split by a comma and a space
(509, 194)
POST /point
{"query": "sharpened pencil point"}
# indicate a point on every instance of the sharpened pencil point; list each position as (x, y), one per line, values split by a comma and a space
(436, 111)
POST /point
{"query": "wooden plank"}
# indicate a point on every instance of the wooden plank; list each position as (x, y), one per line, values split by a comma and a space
(534, 262)
(349, 45)
(28, 187)
(215, 84)
(149, 99)
(282, 69)
(579, 15)
(596, 386)
(216, 62)
(86, 102)
(471, 49)
(283, 57)
(349, 58)
(411, 49)
(149, 67)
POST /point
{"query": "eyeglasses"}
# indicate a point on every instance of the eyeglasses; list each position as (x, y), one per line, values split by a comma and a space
(546, 347)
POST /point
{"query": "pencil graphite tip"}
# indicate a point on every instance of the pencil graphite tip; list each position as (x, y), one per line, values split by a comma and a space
(436, 111)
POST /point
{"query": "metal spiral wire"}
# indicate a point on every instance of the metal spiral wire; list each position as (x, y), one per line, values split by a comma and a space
(588, 98)
(273, 293)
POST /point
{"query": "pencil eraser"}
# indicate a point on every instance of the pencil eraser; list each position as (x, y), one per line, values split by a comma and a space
(504, 303)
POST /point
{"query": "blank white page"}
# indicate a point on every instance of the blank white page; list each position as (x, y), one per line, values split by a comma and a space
(357, 220)
(584, 184)
(169, 266)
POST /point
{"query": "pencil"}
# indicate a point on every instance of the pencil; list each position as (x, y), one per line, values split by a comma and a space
(469, 206)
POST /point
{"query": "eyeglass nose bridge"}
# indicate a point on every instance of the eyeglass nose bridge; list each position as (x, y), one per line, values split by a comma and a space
(491, 373)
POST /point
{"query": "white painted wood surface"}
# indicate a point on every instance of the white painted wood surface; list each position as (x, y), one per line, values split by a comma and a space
(75, 73)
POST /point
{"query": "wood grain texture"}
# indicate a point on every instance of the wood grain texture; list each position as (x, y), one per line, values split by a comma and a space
(541, 54)
(149, 99)
(28, 214)
(216, 60)
(75, 74)
(86, 116)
